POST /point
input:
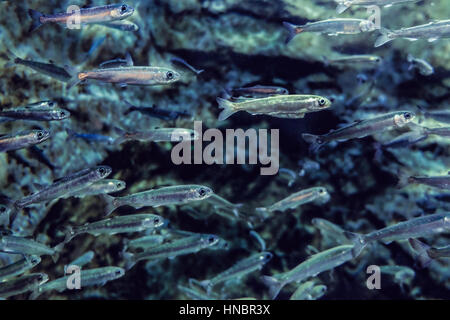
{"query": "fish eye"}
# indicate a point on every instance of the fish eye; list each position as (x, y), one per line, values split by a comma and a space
(267, 256)
(40, 135)
(156, 221)
(202, 192)
(124, 8)
(51, 104)
(407, 115)
(102, 170)
(119, 185)
(211, 239)
(322, 102)
(169, 75)
(118, 272)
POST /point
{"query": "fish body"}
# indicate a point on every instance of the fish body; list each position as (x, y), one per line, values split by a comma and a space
(299, 198)
(345, 4)
(145, 242)
(431, 31)
(362, 59)
(332, 27)
(158, 135)
(35, 113)
(104, 186)
(82, 260)
(23, 140)
(253, 263)
(441, 116)
(22, 284)
(122, 25)
(99, 14)
(412, 228)
(441, 182)
(159, 197)
(48, 69)
(20, 245)
(362, 128)
(19, 267)
(172, 249)
(68, 184)
(90, 137)
(120, 224)
(88, 278)
(280, 106)
(316, 264)
(130, 75)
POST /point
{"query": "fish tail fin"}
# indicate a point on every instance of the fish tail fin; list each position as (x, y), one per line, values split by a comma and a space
(58, 249)
(274, 285)
(36, 16)
(70, 134)
(111, 204)
(386, 36)
(13, 59)
(228, 108)
(74, 80)
(69, 234)
(293, 31)
(358, 240)
(207, 285)
(129, 260)
(314, 141)
(421, 249)
(341, 7)
(404, 179)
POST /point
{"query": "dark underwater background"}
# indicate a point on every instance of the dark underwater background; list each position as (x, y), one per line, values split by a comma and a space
(238, 43)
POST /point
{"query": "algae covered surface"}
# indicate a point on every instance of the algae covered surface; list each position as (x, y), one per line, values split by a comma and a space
(238, 43)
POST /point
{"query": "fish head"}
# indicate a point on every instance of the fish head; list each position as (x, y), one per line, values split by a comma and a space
(122, 11)
(102, 171)
(48, 104)
(117, 272)
(209, 240)
(322, 194)
(155, 221)
(60, 114)
(282, 91)
(403, 117)
(265, 257)
(166, 76)
(41, 135)
(367, 25)
(33, 260)
(202, 192)
(320, 103)
(119, 185)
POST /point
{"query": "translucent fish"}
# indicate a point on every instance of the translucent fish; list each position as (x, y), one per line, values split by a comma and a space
(119, 224)
(19, 267)
(81, 261)
(345, 4)
(423, 66)
(20, 245)
(159, 197)
(104, 186)
(22, 284)
(280, 106)
(23, 140)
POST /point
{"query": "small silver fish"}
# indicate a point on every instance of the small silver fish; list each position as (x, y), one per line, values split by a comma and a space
(19, 267)
(23, 140)
(159, 197)
(345, 4)
(424, 67)
(412, 228)
(362, 128)
(365, 60)
(219, 202)
(120, 224)
(316, 264)
(144, 242)
(441, 182)
(253, 263)
(32, 112)
(48, 69)
(22, 284)
(140, 76)
(61, 187)
(122, 25)
(172, 249)
(431, 31)
(20, 245)
(290, 106)
(158, 135)
(297, 199)
(257, 91)
(100, 14)
(104, 186)
(332, 27)
(89, 278)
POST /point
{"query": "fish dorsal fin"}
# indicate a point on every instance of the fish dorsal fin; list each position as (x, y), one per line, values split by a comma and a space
(129, 60)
